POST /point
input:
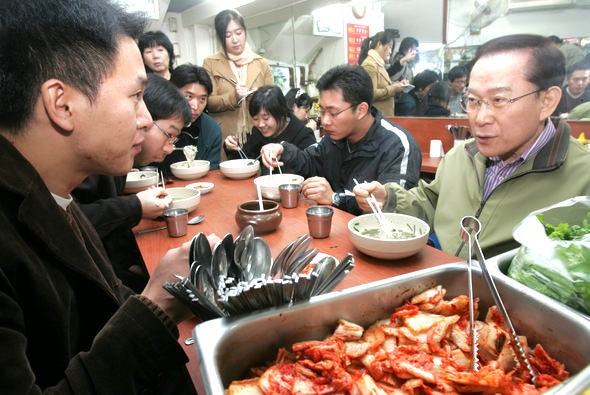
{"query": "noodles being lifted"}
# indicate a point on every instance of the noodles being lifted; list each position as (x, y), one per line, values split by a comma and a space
(423, 348)
(190, 153)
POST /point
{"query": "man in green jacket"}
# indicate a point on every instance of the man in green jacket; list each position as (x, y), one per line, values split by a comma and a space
(517, 162)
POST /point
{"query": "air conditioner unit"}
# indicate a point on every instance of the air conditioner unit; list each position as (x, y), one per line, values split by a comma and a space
(533, 5)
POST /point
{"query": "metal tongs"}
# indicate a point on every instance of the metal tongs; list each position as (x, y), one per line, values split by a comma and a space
(468, 225)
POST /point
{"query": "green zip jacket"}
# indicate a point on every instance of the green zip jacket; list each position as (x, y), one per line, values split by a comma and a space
(559, 171)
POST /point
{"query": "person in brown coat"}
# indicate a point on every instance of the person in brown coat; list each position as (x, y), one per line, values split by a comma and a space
(236, 72)
(374, 51)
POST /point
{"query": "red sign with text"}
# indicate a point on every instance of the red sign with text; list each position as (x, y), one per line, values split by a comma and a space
(355, 34)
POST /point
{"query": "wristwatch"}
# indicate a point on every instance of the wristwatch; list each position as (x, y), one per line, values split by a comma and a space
(335, 199)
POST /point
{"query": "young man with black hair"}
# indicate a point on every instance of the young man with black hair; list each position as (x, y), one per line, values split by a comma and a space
(100, 196)
(457, 79)
(203, 132)
(72, 106)
(575, 91)
(359, 143)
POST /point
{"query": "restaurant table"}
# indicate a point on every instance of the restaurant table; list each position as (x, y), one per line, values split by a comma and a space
(219, 207)
(429, 164)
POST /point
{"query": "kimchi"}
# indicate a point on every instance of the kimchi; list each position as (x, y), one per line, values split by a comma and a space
(422, 348)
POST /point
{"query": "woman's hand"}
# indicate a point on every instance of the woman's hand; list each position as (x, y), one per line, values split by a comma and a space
(270, 154)
(241, 91)
(409, 56)
(231, 143)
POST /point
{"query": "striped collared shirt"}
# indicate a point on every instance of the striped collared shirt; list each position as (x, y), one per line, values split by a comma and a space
(497, 171)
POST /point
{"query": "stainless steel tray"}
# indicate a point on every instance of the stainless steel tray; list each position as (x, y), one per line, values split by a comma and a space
(499, 266)
(227, 348)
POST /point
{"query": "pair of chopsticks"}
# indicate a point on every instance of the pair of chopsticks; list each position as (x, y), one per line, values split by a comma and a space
(277, 161)
(160, 178)
(242, 153)
(383, 222)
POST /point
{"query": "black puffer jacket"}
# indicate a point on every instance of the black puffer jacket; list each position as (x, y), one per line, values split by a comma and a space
(387, 153)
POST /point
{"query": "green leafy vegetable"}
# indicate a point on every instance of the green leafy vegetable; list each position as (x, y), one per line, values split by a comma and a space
(564, 231)
(564, 276)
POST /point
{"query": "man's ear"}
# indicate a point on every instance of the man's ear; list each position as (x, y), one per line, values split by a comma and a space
(362, 110)
(549, 103)
(57, 96)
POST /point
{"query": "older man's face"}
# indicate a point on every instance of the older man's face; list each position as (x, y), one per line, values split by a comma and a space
(509, 131)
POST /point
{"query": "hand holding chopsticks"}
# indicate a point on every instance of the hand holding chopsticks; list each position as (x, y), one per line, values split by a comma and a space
(375, 207)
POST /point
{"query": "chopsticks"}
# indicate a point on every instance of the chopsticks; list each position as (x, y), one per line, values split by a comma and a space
(160, 178)
(383, 222)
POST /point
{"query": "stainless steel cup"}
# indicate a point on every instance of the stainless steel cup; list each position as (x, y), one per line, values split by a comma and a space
(319, 220)
(176, 219)
(289, 195)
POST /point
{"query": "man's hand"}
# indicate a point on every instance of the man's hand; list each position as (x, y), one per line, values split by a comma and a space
(269, 153)
(231, 143)
(317, 189)
(174, 262)
(363, 191)
(153, 202)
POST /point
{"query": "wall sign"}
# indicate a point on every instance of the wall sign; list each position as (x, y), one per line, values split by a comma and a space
(355, 34)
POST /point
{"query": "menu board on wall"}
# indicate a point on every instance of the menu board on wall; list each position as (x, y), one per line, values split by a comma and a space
(355, 34)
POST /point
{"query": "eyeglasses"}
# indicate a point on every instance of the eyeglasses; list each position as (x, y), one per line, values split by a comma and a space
(471, 104)
(334, 114)
(171, 139)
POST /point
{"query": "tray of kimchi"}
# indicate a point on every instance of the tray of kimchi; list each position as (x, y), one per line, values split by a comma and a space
(403, 335)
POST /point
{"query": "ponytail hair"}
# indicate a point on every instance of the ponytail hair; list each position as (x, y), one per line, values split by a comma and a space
(383, 37)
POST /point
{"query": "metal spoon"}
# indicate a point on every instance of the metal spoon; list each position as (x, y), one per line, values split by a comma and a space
(196, 220)
(262, 257)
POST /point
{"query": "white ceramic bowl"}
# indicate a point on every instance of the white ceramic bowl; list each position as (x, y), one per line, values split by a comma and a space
(198, 169)
(184, 198)
(137, 181)
(388, 249)
(269, 185)
(239, 169)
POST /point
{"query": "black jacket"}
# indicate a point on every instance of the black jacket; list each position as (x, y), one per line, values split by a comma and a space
(387, 153)
(436, 110)
(205, 134)
(295, 133)
(113, 217)
(67, 324)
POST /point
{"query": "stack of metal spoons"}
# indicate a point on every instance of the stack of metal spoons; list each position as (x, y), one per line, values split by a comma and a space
(240, 275)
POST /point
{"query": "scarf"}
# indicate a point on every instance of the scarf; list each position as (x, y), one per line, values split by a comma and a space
(375, 55)
(239, 66)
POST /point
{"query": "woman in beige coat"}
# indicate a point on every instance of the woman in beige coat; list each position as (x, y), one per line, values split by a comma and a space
(235, 72)
(374, 51)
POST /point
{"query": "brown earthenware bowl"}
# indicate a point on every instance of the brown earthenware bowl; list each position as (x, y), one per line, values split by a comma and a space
(264, 221)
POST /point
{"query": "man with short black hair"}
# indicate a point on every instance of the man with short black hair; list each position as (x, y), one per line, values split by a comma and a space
(575, 92)
(203, 132)
(457, 79)
(72, 80)
(517, 161)
(359, 143)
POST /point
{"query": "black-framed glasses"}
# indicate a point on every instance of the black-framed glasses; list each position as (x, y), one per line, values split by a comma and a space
(334, 114)
(470, 103)
(171, 139)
